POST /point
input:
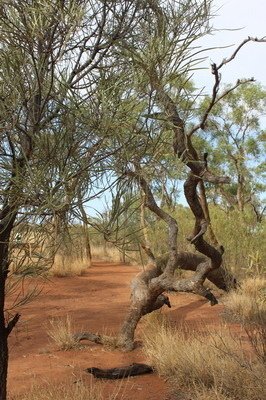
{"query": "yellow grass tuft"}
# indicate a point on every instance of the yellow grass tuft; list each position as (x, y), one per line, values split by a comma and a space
(68, 266)
(216, 361)
(106, 253)
(204, 393)
(247, 304)
(109, 339)
(60, 331)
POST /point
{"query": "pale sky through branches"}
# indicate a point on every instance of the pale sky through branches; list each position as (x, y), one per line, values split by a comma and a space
(250, 17)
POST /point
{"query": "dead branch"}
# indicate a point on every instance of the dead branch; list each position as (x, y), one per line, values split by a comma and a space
(214, 99)
(217, 80)
(120, 373)
(12, 323)
(249, 39)
(92, 337)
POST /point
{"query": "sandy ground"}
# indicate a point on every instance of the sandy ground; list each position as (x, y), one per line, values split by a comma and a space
(96, 302)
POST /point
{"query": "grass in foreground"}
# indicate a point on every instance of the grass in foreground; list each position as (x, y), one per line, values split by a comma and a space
(209, 365)
(78, 391)
(247, 306)
(61, 333)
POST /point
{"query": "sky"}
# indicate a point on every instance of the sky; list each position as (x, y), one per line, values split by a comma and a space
(249, 18)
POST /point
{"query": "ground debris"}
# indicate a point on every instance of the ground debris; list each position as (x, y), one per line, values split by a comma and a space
(121, 372)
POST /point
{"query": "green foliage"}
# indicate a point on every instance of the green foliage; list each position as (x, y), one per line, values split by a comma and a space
(235, 141)
(243, 238)
(240, 234)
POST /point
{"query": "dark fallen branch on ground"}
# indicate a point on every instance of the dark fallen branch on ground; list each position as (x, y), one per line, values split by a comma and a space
(120, 373)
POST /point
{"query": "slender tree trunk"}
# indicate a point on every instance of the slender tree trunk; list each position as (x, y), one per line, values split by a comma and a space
(123, 253)
(3, 331)
(87, 243)
(240, 194)
(205, 208)
(85, 230)
(7, 219)
(143, 224)
(3, 357)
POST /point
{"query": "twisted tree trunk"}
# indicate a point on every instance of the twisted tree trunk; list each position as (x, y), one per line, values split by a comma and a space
(148, 287)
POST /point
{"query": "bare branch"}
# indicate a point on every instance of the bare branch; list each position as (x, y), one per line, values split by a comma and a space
(170, 221)
(12, 323)
(214, 100)
(217, 77)
(249, 39)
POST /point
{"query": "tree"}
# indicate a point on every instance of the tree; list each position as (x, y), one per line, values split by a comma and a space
(235, 134)
(159, 65)
(53, 60)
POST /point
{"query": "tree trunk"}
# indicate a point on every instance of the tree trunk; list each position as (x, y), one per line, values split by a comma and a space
(123, 253)
(205, 208)
(240, 194)
(144, 300)
(7, 219)
(146, 245)
(87, 243)
(85, 229)
(3, 358)
(127, 332)
(4, 238)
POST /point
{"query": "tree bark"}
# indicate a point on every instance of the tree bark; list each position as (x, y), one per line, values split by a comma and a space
(146, 242)
(87, 243)
(7, 218)
(205, 208)
(3, 358)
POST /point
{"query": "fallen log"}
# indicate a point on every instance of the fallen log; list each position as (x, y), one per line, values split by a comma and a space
(120, 373)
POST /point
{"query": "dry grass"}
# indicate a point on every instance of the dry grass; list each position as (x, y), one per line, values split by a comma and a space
(110, 342)
(106, 253)
(64, 391)
(213, 361)
(112, 254)
(247, 306)
(60, 331)
(204, 393)
(68, 266)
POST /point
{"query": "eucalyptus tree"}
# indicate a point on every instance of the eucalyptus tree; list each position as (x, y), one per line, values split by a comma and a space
(235, 135)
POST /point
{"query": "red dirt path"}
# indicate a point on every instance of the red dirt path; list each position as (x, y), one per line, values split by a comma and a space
(96, 302)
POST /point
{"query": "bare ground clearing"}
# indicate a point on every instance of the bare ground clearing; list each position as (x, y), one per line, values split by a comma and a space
(96, 302)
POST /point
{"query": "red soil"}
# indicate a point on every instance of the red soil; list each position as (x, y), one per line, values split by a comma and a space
(96, 302)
